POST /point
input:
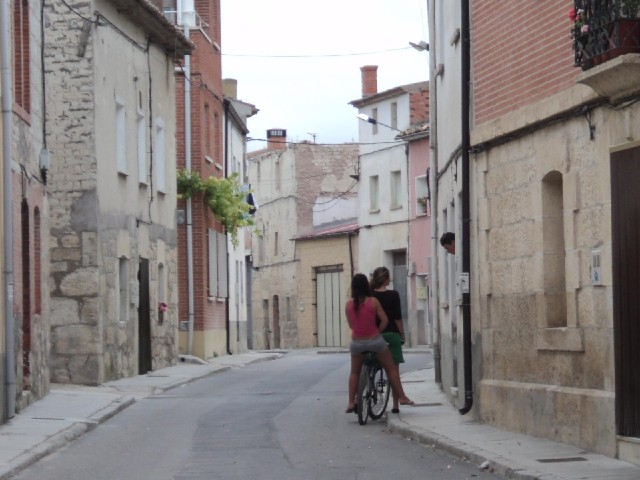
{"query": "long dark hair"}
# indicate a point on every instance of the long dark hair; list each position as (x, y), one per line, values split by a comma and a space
(379, 277)
(359, 289)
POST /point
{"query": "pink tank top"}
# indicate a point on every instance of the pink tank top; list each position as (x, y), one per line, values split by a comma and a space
(363, 322)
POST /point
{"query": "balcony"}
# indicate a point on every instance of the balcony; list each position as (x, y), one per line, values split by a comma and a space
(604, 30)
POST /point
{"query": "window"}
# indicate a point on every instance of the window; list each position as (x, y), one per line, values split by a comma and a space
(260, 248)
(275, 244)
(159, 156)
(374, 194)
(121, 138)
(422, 195)
(21, 84)
(143, 174)
(374, 125)
(554, 250)
(217, 264)
(207, 130)
(122, 289)
(161, 284)
(394, 115)
(396, 189)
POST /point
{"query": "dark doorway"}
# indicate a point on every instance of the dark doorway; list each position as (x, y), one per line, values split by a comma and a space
(144, 319)
(276, 322)
(625, 222)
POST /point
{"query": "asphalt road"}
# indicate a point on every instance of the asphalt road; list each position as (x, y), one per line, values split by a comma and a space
(281, 419)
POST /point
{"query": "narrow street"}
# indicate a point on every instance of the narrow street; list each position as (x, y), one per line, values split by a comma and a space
(281, 419)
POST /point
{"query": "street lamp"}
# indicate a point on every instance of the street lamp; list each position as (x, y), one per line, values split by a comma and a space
(420, 46)
(373, 121)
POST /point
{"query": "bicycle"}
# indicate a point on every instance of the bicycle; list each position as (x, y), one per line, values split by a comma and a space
(373, 390)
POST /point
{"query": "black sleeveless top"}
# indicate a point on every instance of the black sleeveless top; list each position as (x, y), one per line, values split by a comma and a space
(390, 301)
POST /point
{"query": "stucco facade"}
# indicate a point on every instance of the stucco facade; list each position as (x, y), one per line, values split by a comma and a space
(318, 326)
(384, 210)
(111, 133)
(236, 115)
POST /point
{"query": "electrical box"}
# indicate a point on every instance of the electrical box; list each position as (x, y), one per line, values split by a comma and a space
(596, 270)
(464, 282)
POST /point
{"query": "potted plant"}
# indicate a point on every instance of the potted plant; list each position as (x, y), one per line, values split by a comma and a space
(630, 9)
(625, 34)
(582, 39)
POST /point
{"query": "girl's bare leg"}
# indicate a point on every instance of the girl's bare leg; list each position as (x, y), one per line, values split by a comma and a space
(356, 367)
(386, 360)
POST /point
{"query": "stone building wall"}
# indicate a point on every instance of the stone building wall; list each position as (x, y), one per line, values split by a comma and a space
(547, 352)
(101, 216)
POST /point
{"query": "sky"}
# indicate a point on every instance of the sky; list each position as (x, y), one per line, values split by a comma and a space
(299, 62)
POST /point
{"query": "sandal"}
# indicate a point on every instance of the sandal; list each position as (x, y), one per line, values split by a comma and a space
(395, 410)
(407, 402)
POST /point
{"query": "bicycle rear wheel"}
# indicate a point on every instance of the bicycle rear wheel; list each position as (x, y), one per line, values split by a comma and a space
(380, 396)
(363, 395)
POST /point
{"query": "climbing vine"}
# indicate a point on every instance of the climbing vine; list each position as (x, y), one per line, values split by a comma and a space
(223, 196)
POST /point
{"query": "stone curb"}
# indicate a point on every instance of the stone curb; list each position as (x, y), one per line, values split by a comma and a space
(463, 451)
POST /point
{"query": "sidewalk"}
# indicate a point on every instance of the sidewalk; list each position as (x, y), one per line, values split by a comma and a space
(437, 424)
(69, 411)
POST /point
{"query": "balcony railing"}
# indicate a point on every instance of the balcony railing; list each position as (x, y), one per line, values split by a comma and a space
(605, 29)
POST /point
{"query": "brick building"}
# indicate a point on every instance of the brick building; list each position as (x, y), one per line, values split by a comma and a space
(202, 243)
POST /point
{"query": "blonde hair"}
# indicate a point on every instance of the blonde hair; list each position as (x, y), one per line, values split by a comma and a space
(379, 277)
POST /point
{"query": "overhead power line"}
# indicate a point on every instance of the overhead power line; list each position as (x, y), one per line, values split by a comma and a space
(314, 56)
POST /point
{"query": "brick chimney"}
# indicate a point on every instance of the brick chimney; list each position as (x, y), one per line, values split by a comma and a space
(276, 139)
(369, 80)
(230, 88)
(419, 106)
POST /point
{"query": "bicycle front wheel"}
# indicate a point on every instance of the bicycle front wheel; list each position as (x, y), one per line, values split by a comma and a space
(380, 396)
(363, 395)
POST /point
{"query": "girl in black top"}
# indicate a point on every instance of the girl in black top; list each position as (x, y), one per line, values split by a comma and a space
(394, 331)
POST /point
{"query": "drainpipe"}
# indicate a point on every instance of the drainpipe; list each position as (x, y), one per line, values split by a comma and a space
(466, 217)
(433, 187)
(227, 324)
(7, 202)
(187, 154)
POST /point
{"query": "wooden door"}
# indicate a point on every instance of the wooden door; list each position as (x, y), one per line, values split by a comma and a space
(625, 222)
(330, 302)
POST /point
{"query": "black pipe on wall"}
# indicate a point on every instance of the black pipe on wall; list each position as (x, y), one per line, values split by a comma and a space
(466, 214)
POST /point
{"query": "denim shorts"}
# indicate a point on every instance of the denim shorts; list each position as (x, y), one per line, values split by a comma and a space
(375, 345)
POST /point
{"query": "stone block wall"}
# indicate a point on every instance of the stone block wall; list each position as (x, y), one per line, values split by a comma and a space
(547, 368)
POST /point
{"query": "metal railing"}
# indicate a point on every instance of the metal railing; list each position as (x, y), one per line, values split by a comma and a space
(604, 29)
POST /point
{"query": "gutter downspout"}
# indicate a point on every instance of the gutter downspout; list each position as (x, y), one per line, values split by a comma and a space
(187, 155)
(466, 217)
(7, 202)
(227, 324)
(433, 183)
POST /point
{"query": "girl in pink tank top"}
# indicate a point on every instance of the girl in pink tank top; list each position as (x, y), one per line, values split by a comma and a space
(361, 310)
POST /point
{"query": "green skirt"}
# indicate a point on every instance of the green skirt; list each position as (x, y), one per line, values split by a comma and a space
(395, 345)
